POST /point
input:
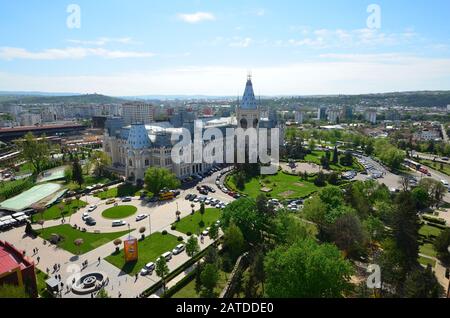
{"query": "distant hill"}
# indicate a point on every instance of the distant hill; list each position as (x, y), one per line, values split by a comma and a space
(74, 99)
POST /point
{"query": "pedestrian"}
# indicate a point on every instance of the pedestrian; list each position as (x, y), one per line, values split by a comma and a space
(38, 259)
(99, 259)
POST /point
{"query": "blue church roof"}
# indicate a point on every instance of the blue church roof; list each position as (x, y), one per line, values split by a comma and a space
(249, 100)
(138, 137)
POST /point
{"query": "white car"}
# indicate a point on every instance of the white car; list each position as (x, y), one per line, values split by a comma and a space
(92, 208)
(141, 217)
(85, 216)
(148, 269)
(444, 182)
(206, 232)
(167, 256)
(118, 223)
(178, 249)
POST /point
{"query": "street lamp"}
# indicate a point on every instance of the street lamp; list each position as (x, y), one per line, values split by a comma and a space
(150, 223)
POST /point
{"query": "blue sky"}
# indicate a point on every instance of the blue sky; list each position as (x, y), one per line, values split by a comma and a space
(138, 47)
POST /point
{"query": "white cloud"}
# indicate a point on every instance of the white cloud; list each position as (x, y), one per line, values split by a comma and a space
(330, 74)
(260, 12)
(196, 17)
(103, 41)
(241, 42)
(13, 53)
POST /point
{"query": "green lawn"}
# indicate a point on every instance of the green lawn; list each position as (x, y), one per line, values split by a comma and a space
(149, 250)
(69, 234)
(125, 190)
(192, 223)
(427, 249)
(284, 186)
(315, 157)
(427, 230)
(188, 291)
(427, 261)
(41, 277)
(119, 212)
(54, 212)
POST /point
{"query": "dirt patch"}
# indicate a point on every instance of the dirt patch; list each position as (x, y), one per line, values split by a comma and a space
(287, 194)
(298, 184)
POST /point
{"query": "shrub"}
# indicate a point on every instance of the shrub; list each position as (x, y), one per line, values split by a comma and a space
(173, 227)
(180, 239)
(189, 234)
(164, 232)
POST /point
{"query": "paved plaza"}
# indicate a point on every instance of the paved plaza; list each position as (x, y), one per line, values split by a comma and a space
(162, 216)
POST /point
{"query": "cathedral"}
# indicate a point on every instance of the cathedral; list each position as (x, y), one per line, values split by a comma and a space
(135, 148)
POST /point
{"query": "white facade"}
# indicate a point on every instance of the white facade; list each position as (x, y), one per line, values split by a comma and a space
(371, 116)
(298, 115)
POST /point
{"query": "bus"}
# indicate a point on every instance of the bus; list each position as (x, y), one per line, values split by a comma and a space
(416, 166)
(166, 195)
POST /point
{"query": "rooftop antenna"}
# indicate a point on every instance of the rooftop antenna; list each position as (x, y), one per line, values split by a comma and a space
(249, 75)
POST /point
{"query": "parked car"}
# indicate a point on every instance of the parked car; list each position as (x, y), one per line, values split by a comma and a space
(167, 256)
(126, 199)
(110, 201)
(85, 216)
(178, 249)
(141, 217)
(92, 208)
(148, 269)
(91, 221)
(188, 197)
(118, 223)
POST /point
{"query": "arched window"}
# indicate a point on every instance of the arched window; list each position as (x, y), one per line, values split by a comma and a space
(243, 123)
(130, 163)
(255, 123)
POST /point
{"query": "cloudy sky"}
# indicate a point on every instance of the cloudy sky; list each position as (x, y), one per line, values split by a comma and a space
(292, 47)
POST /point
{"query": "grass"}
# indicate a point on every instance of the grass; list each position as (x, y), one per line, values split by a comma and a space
(427, 261)
(54, 213)
(428, 249)
(119, 212)
(189, 291)
(149, 250)
(193, 223)
(427, 230)
(41, 277)
(69, 235)
(315, 157)
(284, 186)
(124, 190)
(445, 168)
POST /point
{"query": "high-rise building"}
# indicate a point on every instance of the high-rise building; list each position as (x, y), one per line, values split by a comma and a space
(371, 116)
(333, 115)
(298, 116)
(137, 113)
(348, 112)
(322, 113)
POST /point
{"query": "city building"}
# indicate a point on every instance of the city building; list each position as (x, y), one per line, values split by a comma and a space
(333, 115)
(348, 113)
(138, 113)
(428, 134)
(17, 269)
(322, 113)
(30, 119)
(135, 148)
(371, 116)
(298, 117)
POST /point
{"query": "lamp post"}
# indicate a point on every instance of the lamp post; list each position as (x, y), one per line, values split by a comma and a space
(150, 223)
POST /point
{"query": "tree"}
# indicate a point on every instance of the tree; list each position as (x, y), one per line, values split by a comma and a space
(35, 150)
(333, 178)
(77, 172)
(320, 180)
(192, 246)
(214, 232)
(239, 180)
(422, 283)
(162, 270)
(335, 159)
(348, 234)
(298, 271)
(142, 231)
(233, 243)
(100, 160)
(78, 243)
(202, 210)
(117, 243)
(347, 159)
(405, 228)
(442, 246)
(157, 179)
(102, 293)
(209, 278)
(421, 197)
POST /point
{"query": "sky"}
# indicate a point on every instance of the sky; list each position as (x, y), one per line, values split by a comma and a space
(207, 47)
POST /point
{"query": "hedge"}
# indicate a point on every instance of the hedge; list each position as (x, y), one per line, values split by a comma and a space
(434, 220)
(182, 283)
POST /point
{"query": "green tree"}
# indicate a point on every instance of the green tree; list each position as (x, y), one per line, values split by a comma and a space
(421, 197)
(102, 294)
(157, 179)
(162, 270)
(209, 278)
(192, 246)
(35, 150)
(77, 172)
(233, 242)
(422, 283)
(348, 234)
(442, 246)
(100, 160)
(335, 159)
(298, 271)
(214, 232)
(320, 180)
